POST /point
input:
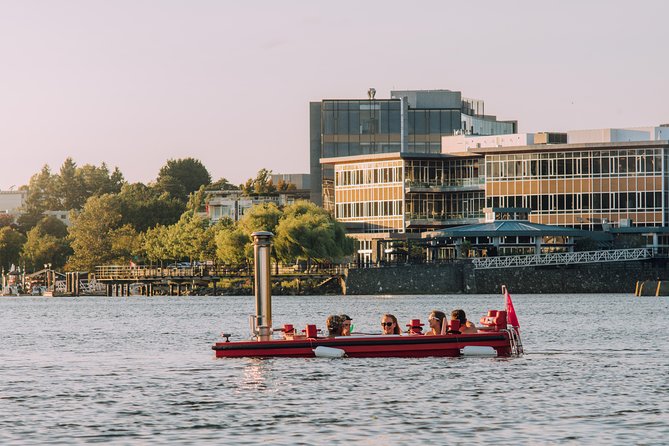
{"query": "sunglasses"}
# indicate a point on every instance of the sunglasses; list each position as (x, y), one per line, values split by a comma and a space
(433, 319)
(387, 324)
(347, 325)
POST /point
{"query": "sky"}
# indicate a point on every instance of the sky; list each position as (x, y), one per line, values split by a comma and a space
(134, 83)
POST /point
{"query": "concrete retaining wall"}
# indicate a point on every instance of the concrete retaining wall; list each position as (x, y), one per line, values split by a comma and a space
(461, 277)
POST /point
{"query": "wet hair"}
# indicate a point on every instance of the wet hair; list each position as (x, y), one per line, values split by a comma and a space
(459, 315)
(334, 324)
(396, 330)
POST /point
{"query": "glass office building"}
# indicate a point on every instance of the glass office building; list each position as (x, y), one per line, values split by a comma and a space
(610, 184)
(410, 122)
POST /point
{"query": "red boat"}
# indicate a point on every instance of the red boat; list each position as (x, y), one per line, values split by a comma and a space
(495, 337)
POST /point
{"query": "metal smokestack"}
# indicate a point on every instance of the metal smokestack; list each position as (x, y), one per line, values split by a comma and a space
(262, 244)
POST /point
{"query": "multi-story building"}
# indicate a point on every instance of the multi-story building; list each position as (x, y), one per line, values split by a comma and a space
(233, 204)
(410, 122)
(611, 179)
(597, 179)
(11, 201)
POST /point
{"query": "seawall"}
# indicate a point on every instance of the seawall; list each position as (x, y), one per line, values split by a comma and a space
(461, 277)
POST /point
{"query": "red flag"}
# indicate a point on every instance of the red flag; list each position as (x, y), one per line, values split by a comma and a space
(510, 311)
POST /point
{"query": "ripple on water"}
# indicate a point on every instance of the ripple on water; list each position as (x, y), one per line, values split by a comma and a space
(140, 371)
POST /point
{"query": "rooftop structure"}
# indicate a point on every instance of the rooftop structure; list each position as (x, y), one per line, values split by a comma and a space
(409, 122)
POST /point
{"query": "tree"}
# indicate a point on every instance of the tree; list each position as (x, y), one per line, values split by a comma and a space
(97, 181)
(144, 207)
(181, 177)
(232, 246)
(187, 237)
(261, 184)
(11, 242)
(261, 217)
(126, 244)
(6, 220)
(197, 201)
(42, 193)
(308, 232)
(222, 184)
(46, 243)
(210, 235)
(155, 244)
(69, 186)
(91, 233)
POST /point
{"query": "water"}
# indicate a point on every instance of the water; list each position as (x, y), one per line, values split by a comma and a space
(140, 371)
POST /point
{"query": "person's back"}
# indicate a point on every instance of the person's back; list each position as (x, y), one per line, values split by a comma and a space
(466, 327)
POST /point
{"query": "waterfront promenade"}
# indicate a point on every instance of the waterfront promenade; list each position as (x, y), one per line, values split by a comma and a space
(150, 280)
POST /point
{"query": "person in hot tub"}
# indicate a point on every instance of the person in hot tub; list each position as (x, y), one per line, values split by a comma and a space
(466, 326)
(334, 324)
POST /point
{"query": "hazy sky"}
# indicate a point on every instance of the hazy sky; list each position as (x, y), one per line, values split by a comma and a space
(134, 83)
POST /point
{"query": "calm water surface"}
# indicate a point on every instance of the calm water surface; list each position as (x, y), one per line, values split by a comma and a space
(141, 371)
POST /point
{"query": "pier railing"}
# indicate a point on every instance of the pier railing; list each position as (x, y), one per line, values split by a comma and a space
(563, 258)
(124, 272)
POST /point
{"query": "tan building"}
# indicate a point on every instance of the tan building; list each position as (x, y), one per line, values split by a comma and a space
(594, 180)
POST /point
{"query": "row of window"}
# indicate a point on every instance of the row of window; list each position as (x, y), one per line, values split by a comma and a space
(441, 172)
(600, 202)
(445, 206)
(369, 209)
(498, 169)
(369, 176)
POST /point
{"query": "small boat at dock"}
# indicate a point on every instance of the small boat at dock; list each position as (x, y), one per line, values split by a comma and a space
(498, 334)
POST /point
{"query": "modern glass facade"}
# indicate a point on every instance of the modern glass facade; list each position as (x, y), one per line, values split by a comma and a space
(407, 195)
(583, 188)
(372, 194)
(410, 122)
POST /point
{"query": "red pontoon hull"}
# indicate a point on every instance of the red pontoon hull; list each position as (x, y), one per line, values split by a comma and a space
(370, 346)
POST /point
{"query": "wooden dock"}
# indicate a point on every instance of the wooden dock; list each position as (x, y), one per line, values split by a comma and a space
(151, 281)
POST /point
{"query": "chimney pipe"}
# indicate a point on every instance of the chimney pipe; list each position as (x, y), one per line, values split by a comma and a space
(262, 244)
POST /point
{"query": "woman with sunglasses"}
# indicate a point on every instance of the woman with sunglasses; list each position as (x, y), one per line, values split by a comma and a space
(435, 319)
(389, 325)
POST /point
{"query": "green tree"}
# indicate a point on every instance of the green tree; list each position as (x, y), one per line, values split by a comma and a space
(97, 181)
(42, 193)
(126, 244)
(144, 207)
(232, 246)
(92, 231)
(210, 247)
(308, 232)
(222, 184)
(181, 177)
(46, 243)
(187, 237)
(70, 188)
(11, 242)
(261, 184)
(155, 244)
(261, 217)
(6, 220)
(197, 201)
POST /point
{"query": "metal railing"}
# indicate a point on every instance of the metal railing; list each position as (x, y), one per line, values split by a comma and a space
(563, 258)
(122, 272)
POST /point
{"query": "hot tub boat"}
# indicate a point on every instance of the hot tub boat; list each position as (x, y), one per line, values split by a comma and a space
(498, 334)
